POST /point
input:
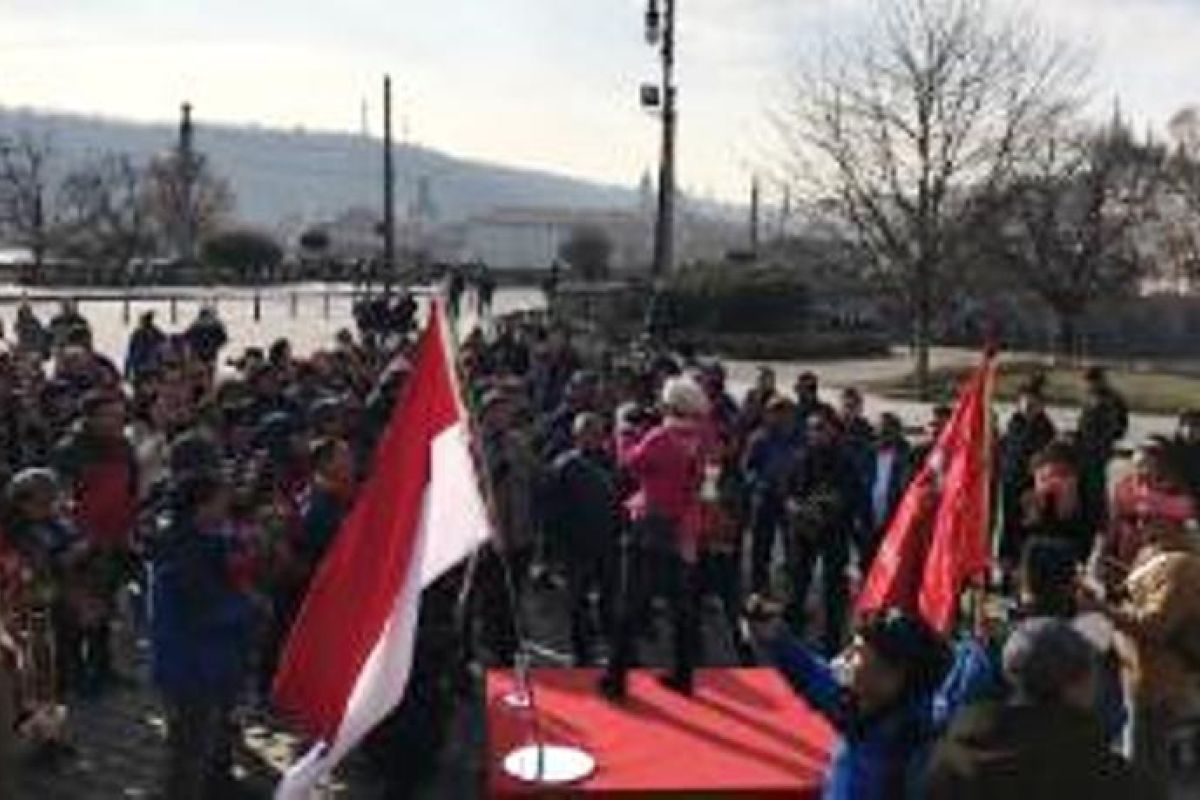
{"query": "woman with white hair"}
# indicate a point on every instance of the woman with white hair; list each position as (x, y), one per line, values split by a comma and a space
(667, 466)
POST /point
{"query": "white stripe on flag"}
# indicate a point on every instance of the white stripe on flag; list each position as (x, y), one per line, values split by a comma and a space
(453, 523)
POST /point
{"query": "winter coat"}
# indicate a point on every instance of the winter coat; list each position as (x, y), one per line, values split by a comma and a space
(200, 620)
(997, 751)
(584, 504)
(771, 460)
(143, 353)
(1163, 605)
(104, 479)
(668, 467)
(879, 758)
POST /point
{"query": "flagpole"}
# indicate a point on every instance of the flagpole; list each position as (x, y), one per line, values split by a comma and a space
(987, 523)
(538, 762)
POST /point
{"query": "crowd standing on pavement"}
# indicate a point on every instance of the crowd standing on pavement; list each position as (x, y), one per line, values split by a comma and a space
(183, 500)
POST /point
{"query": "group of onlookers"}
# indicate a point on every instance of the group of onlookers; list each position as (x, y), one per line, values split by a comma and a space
(186, 502)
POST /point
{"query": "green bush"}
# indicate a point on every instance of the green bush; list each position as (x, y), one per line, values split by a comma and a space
(809, 345)
(738, 299)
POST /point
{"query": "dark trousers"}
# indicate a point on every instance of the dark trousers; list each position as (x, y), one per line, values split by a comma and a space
(1093, 490)
(644, 571)
(831, 547)
(720, 575)
(766, 522)
(8, 736)
(200, 735)
(494, 599)
(589, 572)
(83, 654)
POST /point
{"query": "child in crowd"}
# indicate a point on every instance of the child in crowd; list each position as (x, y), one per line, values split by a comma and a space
(200, 630)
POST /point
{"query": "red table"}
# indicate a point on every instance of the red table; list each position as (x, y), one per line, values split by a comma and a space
(744, 734)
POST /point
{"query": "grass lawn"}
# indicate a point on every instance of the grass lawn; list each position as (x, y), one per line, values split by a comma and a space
(1147, 392)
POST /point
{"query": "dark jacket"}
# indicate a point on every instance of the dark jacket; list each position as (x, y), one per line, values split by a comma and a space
(200, 621)
(830, 491)
(585, 503)
(771, 460)
(1103, 422)
(902, 473)
(206, 337)
(142, 355)
(1024, 438)
(1002, 751)
(324, 514)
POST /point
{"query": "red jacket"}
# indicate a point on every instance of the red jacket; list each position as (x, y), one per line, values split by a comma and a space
(668, 467)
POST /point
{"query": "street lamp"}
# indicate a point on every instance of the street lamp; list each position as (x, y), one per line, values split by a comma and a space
(660, 33)
(653, 23)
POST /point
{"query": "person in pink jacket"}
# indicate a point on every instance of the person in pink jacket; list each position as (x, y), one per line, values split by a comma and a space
(667, 467)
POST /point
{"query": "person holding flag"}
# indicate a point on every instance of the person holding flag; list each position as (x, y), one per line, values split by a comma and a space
(420, 512)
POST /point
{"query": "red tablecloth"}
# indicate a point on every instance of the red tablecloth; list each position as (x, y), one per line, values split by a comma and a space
(743, 734)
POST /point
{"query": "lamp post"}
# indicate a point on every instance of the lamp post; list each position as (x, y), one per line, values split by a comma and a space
(660, 33)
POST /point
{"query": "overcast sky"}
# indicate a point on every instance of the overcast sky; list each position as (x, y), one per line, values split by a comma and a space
(541, 83)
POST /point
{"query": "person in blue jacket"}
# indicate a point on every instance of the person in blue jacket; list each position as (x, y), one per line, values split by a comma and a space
(200, 626)
(880, 698)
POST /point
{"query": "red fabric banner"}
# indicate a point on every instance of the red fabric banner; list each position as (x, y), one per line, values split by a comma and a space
(937, 539)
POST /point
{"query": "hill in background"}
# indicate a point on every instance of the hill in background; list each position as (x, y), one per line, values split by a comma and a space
(284, 179)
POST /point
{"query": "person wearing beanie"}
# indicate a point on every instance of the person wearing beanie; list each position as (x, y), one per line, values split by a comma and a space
(879, 698)
(667, 466)
(1044, 742)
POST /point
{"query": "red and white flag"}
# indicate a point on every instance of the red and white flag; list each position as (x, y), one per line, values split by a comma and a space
(420, 512)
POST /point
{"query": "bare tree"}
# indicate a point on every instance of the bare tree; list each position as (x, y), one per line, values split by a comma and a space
(1183, 172)
(187, 202)
(24, 216)
(1067, 227)
(105, 216)
(896, 130)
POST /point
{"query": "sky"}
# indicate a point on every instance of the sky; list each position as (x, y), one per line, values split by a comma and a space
(549, 84)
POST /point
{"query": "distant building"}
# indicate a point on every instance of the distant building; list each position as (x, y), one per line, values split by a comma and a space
(531, 238)
(354, 235)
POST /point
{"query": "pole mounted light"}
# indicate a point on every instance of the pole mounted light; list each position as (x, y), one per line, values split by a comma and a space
(653, 23)
(660, 96)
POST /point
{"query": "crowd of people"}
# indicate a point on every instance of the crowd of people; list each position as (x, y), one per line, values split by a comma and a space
(184, 498)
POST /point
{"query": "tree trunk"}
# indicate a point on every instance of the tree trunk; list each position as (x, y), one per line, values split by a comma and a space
(922, 330)
(1067, 337)
(921, 336)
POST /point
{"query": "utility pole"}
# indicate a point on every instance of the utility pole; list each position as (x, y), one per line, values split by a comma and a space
(754, 214)
(389, 206)
(785, 212)
(664, 224)
(187, 174)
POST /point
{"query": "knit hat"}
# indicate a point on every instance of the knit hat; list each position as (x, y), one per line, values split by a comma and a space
(907, 643)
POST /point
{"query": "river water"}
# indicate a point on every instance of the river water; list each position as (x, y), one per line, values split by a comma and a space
(311, 314)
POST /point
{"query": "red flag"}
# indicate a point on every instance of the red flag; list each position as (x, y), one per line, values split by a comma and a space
(349, 652)
(937, 539)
